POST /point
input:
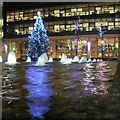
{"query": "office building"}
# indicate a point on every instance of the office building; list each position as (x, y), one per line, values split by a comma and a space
(59, 20)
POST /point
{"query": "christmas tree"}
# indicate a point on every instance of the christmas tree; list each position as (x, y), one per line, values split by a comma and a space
(38, 40)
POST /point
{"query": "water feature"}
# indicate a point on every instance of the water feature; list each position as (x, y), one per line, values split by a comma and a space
(63, 58)
(58, 91)
(1, 60)
(50, 60)
(75, 59)
(98, 60)
(28, 59)
(11, 58)
(68, 61)
(83, 59)
(40, 61)
(94, 60)
(45, 57)
(89, 60)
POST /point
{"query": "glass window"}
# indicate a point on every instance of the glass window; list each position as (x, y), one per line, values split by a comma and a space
(91, 24)
(35, 15)
(92, 20)
(56, 28)
(12, 18)
(117, 19)
(68, 13)
(21, 25)
(51, 23)
(46, 14)
(21, 31)
(12, 13)
(35, 10)
(16, 15)
(67, 27)
(73, 9)
(62, 22)
(117, 8)
(111, 23)
(56, 13)
(110, 19)
(105, 9)
(30, 29)
(62, 28)
(8, 18)
(31, 10)
(110, 27)
(26, 11)
(111, 11)
(26, 25)
(117, 43)
(25, 30)
(31, 16)
(117, 23)
(97, 24)
(104, 23)
(111, 7)
(91, 10)
(21, 15)
(51, 13)
(79, 9)
(26, 16)
(98, 10)
(62, 13)
(73, 12)
(12, 46)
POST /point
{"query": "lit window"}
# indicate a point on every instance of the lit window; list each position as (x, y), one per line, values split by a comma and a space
(62, 27)
(16, 15)
(111, 7)
(111, 23)
(104, 23)
(117, 23)
(67, 27)
(85, 24)
(110, 27)
(46, 14)
(62, 13)
(117, 19)
(56, 28)
(68, 13)
(97, 24)
(117, 43)
(111, 11)
(79, 9)
(73, 10)
(56, 11)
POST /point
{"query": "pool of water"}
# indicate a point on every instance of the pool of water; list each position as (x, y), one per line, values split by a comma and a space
(58, 91)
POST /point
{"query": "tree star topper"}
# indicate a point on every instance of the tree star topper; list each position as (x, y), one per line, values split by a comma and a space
(38, 13)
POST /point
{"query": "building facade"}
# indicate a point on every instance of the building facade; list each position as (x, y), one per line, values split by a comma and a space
(59, 21)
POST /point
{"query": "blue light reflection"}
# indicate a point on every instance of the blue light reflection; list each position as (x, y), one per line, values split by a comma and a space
(40, 91)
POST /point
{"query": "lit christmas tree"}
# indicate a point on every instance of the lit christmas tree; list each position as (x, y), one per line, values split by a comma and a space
(38, 40)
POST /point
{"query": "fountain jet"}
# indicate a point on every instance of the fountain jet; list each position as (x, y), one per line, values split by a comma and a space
(11, 58)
